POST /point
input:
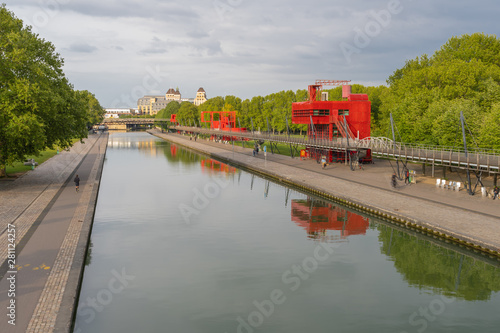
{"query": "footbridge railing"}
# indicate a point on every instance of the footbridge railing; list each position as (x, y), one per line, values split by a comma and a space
(475, 159)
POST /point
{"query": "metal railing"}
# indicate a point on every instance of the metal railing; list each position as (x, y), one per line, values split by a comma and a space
(475, 159)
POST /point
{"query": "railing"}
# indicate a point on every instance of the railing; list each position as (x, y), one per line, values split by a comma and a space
(475, 159)
(133, 120)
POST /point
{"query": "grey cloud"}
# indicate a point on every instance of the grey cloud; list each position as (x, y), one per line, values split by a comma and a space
(153, 50)
(157, 10)
(82, 48)
(197, 34)
(257, 47)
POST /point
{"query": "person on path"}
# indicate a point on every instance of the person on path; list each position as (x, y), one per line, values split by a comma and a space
(394, 180)
(77, 182)
(407, 177)
(323, 161)
(496, 191)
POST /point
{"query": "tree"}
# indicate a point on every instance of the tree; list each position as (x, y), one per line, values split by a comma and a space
(188, 114)
(426, 96)
(95, 112)
(171, 108)
(38, 106)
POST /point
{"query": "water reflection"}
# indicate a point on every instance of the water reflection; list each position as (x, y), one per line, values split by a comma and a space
(177, 154)
(318, 217)
(210, 275)
(427, 265)
(118, 141)
(210, 165)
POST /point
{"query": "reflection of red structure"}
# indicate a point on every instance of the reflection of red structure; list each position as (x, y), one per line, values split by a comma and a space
(349, 118)
(322, 217)
(216, 166)
(173, 150)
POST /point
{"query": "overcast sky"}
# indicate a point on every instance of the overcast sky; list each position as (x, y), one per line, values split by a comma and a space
(121, 50)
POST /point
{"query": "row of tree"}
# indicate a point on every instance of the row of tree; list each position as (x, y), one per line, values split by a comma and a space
(39, 108)
(425, 98)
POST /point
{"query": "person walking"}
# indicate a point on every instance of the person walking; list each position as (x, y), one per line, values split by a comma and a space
(394, 180)
(407, 177)
(77, 182)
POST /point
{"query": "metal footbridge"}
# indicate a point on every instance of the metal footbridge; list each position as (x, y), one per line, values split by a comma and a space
(477, 160)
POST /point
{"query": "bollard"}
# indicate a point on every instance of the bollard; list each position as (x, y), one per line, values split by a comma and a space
(483, 191)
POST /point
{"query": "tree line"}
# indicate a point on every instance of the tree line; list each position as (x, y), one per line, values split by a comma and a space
(425, 98)
(39, 108)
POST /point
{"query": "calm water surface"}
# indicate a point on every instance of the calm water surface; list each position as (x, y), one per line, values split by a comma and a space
(182, 243)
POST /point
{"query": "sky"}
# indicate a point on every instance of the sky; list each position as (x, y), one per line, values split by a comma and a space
(121, 50)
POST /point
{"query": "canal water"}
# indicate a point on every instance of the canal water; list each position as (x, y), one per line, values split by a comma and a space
(182, 243)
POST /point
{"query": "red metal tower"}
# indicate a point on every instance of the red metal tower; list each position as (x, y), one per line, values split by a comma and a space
(328, 120)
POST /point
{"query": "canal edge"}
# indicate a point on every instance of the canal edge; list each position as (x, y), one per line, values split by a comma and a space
(66, 317)
(384, 214)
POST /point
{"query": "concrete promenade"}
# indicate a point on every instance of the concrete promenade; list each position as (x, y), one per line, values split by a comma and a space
(49, 223)
(473, 221)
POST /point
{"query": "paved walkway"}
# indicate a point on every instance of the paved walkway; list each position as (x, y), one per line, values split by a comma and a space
(50, 223)
(471, 218)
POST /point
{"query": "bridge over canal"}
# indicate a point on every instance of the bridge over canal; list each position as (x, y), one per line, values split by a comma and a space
(130, 123)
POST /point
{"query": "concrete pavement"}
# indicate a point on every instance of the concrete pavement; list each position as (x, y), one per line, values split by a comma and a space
(49, 223)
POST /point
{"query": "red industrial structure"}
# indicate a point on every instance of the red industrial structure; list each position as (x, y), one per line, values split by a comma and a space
(319, 218)
(173, 118)
(329, 120)
(226, 120)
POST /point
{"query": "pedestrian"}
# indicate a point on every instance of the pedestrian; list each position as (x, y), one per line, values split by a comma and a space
(496, 191)
(323, 161)
(394, 180)
(407, 177)
(77, 182)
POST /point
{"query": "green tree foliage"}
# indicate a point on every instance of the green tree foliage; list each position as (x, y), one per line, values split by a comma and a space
(38, 106)
(213, 104)
(177, 155)
(95, 112)
(188, 114)
(170, 109)
(428, 93)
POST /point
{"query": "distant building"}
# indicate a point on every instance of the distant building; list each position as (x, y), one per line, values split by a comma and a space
(201, 97)
(152, 104)
(173, 95)
(115, 113)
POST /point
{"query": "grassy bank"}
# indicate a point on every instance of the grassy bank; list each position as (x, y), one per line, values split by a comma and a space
(19, 168)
